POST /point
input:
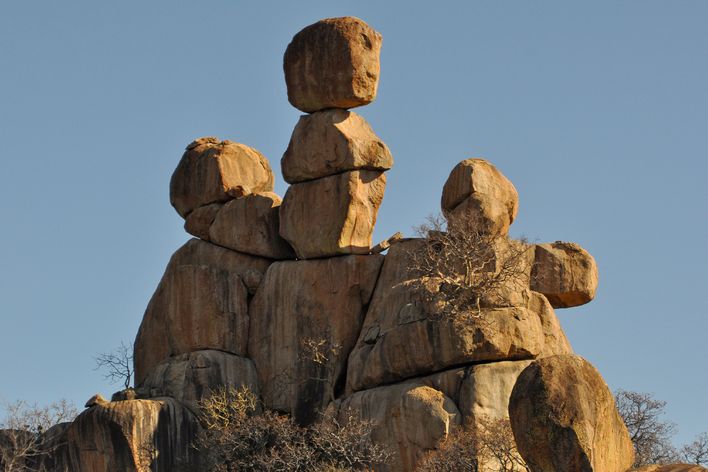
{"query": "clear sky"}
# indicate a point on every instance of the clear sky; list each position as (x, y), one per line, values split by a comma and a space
(596, 111)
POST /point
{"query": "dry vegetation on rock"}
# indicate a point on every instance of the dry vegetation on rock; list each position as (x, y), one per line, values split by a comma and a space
(469, 266)
(235, 438)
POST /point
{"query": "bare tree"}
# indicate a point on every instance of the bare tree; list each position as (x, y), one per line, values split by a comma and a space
(118, 364)
(468, 266)
(24, 442)
(650, 434)
(236, 437)
(697, 451)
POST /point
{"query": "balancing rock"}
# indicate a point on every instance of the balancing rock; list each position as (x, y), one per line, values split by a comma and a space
(330, 142)
(216, 171)
(478, 193)
(565, 273)
(333, 63)
(191, 376)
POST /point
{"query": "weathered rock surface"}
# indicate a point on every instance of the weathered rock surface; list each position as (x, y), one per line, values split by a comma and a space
(333, 63)
(671, 468)
(409, 418)
(194, 307)
(305, 318)
(55, 442)
(330, 142)
(250, 224)
(133, 435)
(216, 171)
(200, 303)
(564, 419)
(189, 377)
(333, 215)
(478, 193)
(486, 389)
(198, 222)
(565, 273)
(403, 337)
(197, 252)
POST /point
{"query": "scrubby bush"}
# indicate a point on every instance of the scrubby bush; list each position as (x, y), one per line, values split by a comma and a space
(238, 435)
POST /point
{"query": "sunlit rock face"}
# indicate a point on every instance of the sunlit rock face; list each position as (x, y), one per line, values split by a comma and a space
(290, 299)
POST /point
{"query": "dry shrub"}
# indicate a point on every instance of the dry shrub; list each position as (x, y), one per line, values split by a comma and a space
(457, 452)
(236, 437)
(488, 447)
(467, 267)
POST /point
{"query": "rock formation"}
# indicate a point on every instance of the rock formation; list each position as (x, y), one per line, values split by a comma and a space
(291, 300)
(564, 418)
(132, 435)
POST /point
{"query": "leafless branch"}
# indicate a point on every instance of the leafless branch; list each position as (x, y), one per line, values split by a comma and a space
(697, 451)
(650, 434)
(24, 444)
(469, 267)
(118, 364)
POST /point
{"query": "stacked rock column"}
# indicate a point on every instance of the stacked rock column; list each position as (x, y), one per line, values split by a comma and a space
(307, 314)
(334, 162)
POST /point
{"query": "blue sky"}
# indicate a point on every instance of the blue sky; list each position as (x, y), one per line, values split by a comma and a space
(597, 112)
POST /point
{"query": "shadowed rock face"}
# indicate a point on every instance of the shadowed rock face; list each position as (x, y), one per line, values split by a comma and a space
(333, 63)
(306, 317)
(565, 420)
(201, 303)
(132, 435)
(194, 308)
(189, 377)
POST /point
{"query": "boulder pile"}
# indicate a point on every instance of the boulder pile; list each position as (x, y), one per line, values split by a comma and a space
(288, 297)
